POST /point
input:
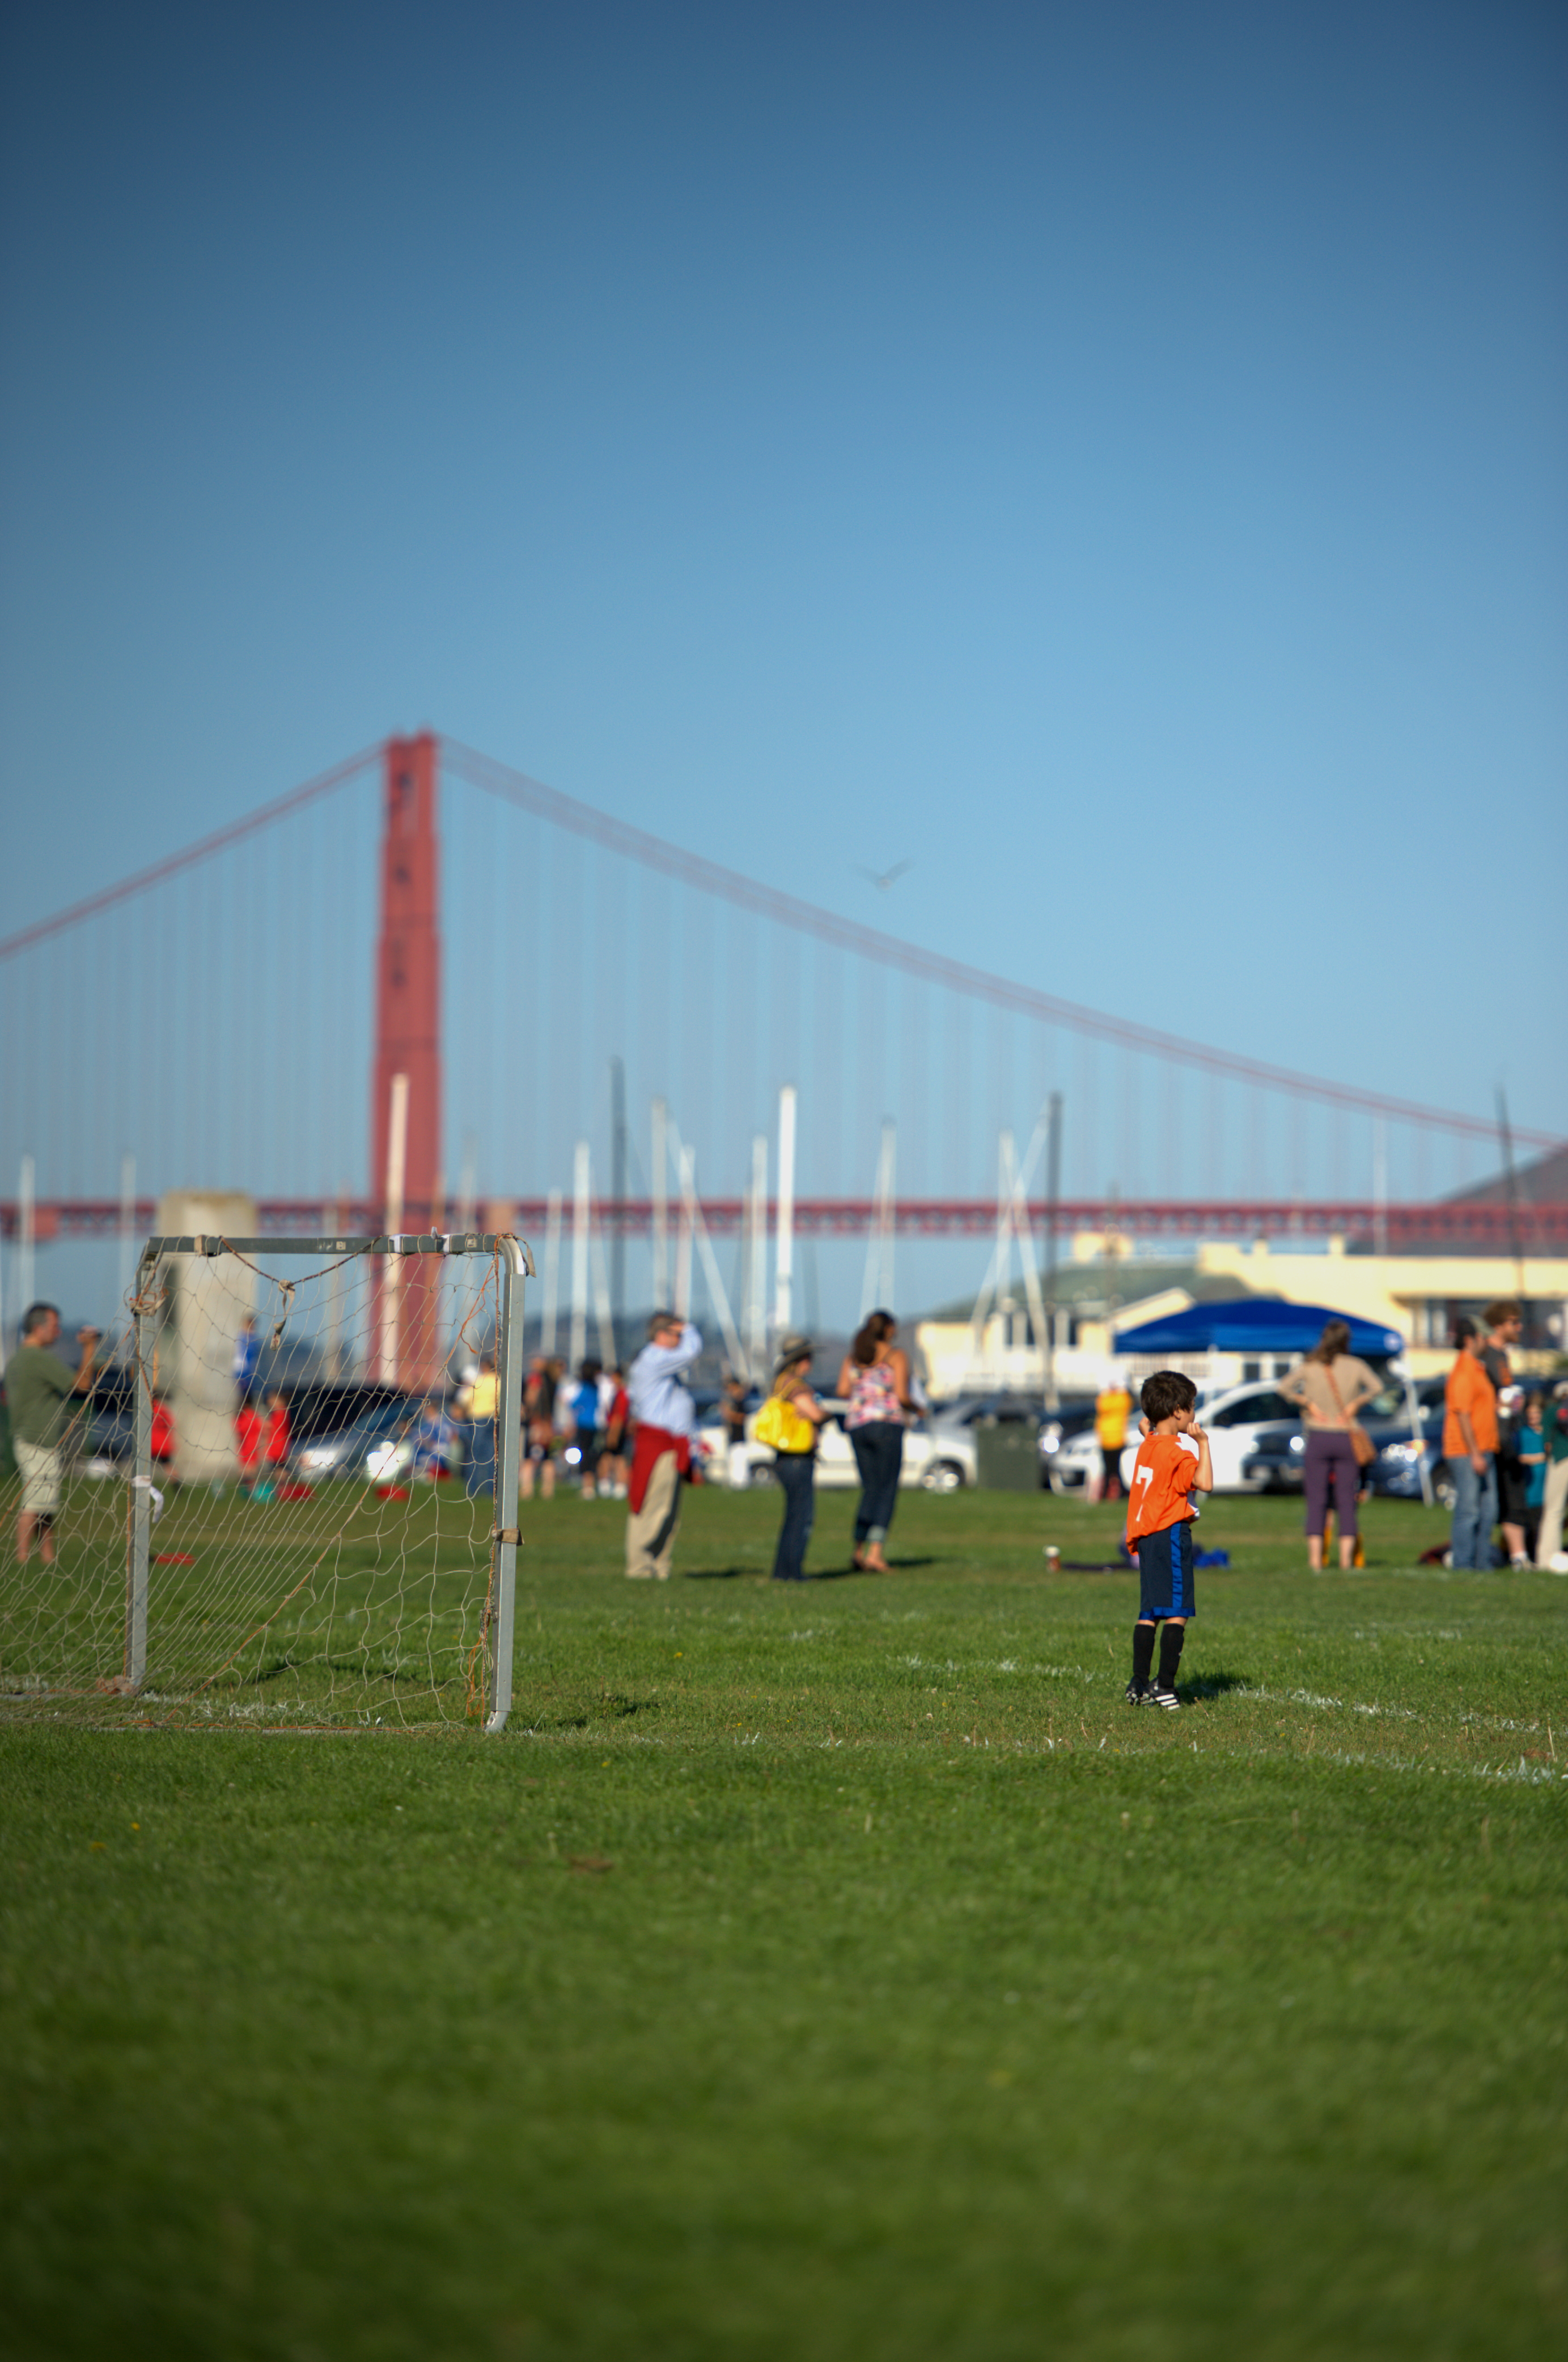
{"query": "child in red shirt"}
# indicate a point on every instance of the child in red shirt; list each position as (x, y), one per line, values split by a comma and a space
(161, 1441)
(1173, 1464)
(247, 1434)
(277, 1429)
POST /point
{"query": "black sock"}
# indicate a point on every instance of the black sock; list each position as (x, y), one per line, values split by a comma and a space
(1171, 1638)
(1142, 1653)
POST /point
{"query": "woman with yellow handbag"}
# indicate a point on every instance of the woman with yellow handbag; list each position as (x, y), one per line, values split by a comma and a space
(788, 1421)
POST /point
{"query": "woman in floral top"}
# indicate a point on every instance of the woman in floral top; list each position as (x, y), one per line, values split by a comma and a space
(876, 1378)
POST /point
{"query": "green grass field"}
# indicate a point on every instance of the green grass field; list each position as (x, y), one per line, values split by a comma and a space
(832, 1972)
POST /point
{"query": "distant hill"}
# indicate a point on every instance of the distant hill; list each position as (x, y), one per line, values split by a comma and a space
(1544, 1183)
(1090, 1288)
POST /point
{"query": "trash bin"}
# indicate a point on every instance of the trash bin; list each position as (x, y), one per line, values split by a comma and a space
(1007, 1454)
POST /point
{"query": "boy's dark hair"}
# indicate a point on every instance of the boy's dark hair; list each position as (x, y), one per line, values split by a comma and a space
(1166, 1391)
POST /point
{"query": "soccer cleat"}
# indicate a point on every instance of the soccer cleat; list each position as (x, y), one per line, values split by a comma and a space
(1167, 1698)
(1138, 1693)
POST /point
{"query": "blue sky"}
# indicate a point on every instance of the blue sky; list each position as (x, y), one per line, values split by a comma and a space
(1113, 455)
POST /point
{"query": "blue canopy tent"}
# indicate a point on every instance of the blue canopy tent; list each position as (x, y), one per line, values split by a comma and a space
(1255, 1324)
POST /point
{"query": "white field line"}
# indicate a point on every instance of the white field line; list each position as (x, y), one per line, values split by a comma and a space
(1316, 1701)
(1310, 1697)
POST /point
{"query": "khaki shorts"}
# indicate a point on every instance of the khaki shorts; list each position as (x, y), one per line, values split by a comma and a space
(39, 1467)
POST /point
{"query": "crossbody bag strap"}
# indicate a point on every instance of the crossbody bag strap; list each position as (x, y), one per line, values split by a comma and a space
(1362, 1443)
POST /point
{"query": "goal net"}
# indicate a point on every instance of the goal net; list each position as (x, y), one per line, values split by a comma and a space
(278, 1507)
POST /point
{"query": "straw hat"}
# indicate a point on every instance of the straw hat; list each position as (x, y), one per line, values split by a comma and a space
(793, 1348)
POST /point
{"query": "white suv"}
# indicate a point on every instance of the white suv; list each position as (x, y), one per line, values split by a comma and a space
(1232, 1421)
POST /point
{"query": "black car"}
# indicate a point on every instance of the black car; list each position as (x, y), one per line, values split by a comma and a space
(318, 1410)
(110, 1432)
(374, 1448)
(324, 1408)
(1278, 1460)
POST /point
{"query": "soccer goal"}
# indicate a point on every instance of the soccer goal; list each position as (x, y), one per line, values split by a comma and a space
(283, 1516)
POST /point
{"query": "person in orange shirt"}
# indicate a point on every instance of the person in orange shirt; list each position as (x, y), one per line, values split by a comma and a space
(1173, 1464)
(1470, 1447)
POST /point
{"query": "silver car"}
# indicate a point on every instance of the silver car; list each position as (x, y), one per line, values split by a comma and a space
(374, 1448)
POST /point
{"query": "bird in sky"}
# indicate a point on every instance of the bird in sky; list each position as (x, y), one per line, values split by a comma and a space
(883, 878)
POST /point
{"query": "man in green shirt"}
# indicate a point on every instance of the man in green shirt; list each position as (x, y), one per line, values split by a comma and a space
(38, 1387)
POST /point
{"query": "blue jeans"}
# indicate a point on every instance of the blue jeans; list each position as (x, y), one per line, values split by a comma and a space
(879, 1448)
(1475, 1511)
(479, 1457)
(797, 1474)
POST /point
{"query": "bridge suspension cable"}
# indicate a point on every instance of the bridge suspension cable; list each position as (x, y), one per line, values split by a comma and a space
(214, 1017)
(933, 967)
(204, 849)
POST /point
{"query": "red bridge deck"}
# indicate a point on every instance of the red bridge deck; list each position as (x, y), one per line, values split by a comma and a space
(1430, 1229)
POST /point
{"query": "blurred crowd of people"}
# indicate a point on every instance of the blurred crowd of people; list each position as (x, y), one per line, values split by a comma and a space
(627, 1435)
(1507, 1448)
(581, 1424)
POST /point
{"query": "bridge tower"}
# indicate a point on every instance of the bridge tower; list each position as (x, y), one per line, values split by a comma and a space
(406, 1102)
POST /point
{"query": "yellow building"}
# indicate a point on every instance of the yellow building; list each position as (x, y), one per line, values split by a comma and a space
(1096, 1294)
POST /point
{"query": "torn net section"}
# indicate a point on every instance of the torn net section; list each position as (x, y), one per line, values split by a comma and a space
(321, 1548)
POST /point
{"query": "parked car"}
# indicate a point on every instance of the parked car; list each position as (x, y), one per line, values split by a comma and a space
(320, 1413)
(836, 1455)
(1076, 1457)
(1060, 1428)
(1400, 1455)
(954, 1460)
(374, 1448)
(325, 1406)
(110, 1431)
(1277, 1461)
(1240, 1421)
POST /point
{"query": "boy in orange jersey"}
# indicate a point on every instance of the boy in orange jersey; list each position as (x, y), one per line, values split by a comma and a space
(1172, 1464)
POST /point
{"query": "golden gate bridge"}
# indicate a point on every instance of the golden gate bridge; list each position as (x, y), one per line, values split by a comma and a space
(395, 990)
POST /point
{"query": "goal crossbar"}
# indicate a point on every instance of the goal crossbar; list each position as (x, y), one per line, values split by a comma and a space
(488, 1242)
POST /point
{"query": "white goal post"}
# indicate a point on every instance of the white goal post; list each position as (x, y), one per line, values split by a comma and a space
(387, 1257)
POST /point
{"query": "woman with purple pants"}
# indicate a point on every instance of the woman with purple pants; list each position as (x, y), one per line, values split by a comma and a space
(1331, 1385)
